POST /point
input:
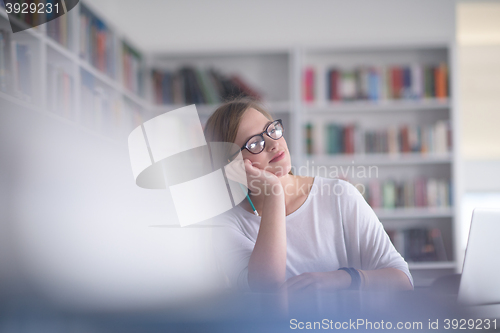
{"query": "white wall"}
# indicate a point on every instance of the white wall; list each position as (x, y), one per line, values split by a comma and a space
(165, 26)
(478, 38)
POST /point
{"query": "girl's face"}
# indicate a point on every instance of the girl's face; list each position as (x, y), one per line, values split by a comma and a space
(253, 122)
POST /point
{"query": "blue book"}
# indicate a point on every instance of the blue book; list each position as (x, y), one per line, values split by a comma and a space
(407, 82)
(373, 85)
(24, 69)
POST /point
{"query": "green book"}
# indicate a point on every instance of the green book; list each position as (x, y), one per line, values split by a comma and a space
(389, 194)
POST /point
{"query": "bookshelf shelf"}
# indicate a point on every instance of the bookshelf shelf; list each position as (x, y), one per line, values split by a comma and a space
(414, 213)
(378, 106)
(134, 98)
(207, 109)
(356, 104)
(19, 102)
(380, 159)
(432, 265)
(60, 49)
(98, 74)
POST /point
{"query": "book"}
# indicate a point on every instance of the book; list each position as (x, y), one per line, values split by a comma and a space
(408, 193)
(59, 28)
(97, 42)
(413, 81)
(309, 138)
(308, 85)
(189, 85)
(132, 69)
(60, 92)
(348, 88)
(423, 244)
(333, 83)
(441, 81)
(5, 67)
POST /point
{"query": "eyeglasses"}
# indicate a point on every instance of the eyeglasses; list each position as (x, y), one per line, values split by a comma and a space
(256, 143)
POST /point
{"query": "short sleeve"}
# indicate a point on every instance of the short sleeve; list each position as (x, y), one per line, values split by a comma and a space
(233, 250)
(368, 241)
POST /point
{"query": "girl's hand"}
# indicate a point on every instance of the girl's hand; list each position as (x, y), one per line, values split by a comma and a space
(235, 171)
(260, 180)
(325, 281)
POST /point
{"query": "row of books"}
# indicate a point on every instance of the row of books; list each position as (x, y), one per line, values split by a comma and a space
(335, 138)
(26, 16)
(194, 85)
(411, 193)
(97, 44)
(60, 88)
(15, 67)
(375, 83)
(131, 116)
(419, 244)
(132, 71)
(59, 29)
(104, 112)
(97, 106)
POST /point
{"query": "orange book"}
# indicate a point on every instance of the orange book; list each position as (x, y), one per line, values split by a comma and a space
(440, 76)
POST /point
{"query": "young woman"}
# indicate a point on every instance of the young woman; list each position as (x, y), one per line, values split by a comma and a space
(310, 232)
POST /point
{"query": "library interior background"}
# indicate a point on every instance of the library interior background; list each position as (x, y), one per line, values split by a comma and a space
(408, 88)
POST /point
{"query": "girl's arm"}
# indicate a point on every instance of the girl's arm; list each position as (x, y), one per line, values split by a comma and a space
(385, 279)
(378, 279)
(369, 247)
(267, 265)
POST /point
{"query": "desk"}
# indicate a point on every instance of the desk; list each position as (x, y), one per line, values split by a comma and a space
(256, 312)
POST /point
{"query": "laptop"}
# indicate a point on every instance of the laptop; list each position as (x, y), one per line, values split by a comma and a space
(480, 282)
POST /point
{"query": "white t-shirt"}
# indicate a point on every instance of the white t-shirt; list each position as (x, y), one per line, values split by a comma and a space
(335, 227)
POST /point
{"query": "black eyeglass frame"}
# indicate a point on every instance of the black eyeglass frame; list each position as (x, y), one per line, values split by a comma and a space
(262, 136)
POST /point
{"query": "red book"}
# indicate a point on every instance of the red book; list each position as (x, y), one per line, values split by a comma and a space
(393, 74)
(334, 85)
(405, 142)
(101, 51)
(309, 84)
(375, 197)
(397, 82)
(245, 87)
(157, 78)
(349, 139)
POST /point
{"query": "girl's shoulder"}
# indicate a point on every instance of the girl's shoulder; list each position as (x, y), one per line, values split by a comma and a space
(335, 188)
(332, 183)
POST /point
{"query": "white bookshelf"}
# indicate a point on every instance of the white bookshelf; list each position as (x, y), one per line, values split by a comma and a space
(376, 114)
(47, 53)
(278, 76)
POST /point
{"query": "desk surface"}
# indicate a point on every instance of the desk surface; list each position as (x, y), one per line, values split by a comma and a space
(255, 312)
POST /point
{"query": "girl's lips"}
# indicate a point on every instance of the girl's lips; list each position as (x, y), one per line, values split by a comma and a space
(278, 157)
